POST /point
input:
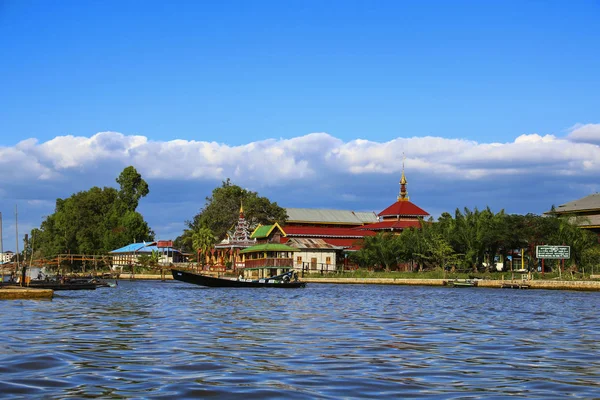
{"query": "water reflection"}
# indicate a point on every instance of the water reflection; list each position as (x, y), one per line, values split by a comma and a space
(169, 339)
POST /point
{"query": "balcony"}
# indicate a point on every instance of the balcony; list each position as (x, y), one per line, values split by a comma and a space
(269, 262)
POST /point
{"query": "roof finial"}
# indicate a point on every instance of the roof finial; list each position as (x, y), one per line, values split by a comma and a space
(241, 206)
(403, 193)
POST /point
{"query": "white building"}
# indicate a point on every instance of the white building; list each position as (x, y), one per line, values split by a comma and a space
(315, 255)
(6, 256)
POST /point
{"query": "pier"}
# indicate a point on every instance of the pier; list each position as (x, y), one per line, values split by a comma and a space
(24, 293)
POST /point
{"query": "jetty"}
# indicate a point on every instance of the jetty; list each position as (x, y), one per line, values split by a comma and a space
(25, 293)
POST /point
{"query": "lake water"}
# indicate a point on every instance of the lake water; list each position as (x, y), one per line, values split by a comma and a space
(175, 340)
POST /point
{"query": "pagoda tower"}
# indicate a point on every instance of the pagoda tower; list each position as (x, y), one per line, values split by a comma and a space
(228, 250)
(240, 234)
(401, 214)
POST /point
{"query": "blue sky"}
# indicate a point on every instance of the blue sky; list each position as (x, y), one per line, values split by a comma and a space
(242, 73)
(237, 71)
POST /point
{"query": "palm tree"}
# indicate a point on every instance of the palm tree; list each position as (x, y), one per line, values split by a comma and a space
(203, 240)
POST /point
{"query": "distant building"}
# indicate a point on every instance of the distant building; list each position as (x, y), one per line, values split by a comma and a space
(6, 256)
(128, 255)
(347, 229)
(585, 212)
(335, 227)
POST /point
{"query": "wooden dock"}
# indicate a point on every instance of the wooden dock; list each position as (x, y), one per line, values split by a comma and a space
(514, 285)
(23, 293)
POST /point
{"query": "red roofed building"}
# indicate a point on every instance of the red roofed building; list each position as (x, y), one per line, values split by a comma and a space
(400, 215)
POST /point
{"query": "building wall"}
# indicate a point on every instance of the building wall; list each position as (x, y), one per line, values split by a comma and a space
(6, 256)
(321, 259)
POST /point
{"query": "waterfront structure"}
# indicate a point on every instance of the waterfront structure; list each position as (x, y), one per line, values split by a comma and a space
(129, 255)
(227, 251)
(310, 253)
(585, 212)
(316, 254)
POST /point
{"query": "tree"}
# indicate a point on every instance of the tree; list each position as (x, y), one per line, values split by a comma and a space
(203, 240)
(221, 212)
(380, 251)
(95, 221)
(133, 187)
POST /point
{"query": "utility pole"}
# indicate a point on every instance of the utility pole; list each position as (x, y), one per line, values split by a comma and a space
(17, 237)
(1, 244)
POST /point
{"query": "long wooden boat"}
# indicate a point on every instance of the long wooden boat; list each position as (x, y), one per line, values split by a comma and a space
(52, 285)
(63, 286)
(209, 281)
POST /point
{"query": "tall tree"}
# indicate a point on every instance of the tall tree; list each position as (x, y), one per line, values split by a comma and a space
(95, 221)
(221, 211)
(133, 187)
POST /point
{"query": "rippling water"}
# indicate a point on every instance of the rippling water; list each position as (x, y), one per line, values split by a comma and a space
(174, 340)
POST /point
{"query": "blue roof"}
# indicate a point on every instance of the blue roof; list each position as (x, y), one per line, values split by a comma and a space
(142, 248)
(133, 247)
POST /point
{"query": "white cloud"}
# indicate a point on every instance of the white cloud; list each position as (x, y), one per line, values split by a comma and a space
(527, 174)
(588, 133)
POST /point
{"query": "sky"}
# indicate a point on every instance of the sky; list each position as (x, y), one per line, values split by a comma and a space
(309, 103)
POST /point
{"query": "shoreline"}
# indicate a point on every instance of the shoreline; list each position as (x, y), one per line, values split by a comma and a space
(486, 283)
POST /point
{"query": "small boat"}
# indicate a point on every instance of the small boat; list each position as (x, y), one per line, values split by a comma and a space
(279, 281)
(465, 283)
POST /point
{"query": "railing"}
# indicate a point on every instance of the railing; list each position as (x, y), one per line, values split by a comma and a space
(270, 262)
(323, 268)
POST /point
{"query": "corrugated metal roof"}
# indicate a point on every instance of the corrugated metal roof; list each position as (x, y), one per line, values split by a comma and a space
(591, 202)
(268, 247)
(330, 216)
(142, 248)
(130, 248)
(307, 243)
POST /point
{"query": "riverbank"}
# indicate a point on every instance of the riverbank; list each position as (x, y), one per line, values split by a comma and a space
(517, 283)
(489, 283)
(21, 293)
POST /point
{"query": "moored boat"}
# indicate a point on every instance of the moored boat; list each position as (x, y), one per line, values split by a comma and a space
(464, 283)
(285, 280)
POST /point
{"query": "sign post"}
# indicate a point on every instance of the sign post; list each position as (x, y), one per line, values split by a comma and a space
(553, 253)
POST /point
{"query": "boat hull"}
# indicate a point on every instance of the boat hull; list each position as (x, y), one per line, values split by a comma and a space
(209, 281)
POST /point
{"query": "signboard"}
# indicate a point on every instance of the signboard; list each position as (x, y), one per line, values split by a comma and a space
(164, 243)
(553, 252)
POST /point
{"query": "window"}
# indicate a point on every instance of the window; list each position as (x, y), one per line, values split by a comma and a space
(328, 260)
(299, 260)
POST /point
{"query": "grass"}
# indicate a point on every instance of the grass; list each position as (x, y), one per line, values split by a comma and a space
(439, 274)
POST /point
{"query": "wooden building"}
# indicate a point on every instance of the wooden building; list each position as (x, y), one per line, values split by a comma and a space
(585, 212)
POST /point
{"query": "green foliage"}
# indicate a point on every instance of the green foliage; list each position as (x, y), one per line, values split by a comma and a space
(221, 212)
(94, 221)
(471, 239)
(133, 187)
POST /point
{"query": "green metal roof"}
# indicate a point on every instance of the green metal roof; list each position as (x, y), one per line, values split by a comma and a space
(268, 247)
(261, 232)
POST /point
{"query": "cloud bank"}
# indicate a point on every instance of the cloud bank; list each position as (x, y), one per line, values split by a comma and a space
(528, 174)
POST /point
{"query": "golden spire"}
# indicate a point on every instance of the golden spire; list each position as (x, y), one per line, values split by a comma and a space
(403, 193)
(241, 206)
